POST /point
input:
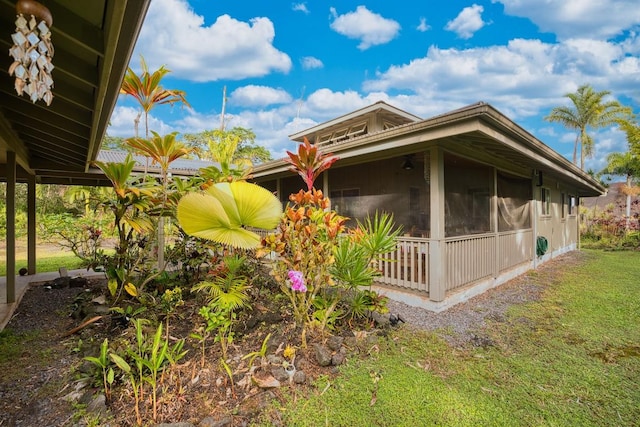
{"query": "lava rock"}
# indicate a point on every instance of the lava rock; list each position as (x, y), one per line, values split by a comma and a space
(335, 342)
(323, 355)
(78, 282)
(59, 283)
(212, 422)
(299, 377)
(253, 405)
(337, 359)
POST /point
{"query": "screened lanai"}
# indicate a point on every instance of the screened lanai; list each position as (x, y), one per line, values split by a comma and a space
(472, 191)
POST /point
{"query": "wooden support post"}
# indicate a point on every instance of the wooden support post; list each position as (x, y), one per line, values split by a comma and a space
(11, 227)
(437, 255)
(32, 232)
(494, 225)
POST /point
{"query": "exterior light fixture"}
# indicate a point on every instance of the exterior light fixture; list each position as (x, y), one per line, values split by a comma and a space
(32, 51)
(407, 164)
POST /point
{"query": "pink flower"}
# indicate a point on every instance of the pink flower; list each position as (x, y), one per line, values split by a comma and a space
(297, 281)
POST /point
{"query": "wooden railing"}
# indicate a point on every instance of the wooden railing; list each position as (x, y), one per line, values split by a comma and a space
(472, 258)
(468, 259)
(408, 265)
(514, 247)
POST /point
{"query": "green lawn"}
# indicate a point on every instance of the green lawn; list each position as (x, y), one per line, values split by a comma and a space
(46, 262)
(570, 359)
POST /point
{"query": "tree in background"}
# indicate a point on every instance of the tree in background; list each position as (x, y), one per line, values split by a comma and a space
(627, 164)
(589, 110)
(246, 149)
(115, 143)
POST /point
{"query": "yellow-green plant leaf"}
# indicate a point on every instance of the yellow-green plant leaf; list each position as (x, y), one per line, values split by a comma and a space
(112, 285)
(222, 213)
(223, 194)
(257, 206)
(199, 213)
(131, 289)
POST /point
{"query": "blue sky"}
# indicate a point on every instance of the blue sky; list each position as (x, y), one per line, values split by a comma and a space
(289, 65)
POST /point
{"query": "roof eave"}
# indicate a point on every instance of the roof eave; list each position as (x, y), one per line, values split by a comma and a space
(480, 113)
(122, 30)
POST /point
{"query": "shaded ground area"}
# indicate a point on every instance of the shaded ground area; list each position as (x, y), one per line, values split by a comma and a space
(38, 377)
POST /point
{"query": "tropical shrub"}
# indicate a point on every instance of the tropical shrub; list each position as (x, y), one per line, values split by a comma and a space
(320, 266)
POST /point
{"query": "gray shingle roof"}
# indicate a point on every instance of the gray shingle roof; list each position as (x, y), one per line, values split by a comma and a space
(186, 167)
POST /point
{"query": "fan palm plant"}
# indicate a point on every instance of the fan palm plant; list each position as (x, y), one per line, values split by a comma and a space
(225, 210)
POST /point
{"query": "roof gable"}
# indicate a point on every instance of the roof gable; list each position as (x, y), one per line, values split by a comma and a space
(373, 118)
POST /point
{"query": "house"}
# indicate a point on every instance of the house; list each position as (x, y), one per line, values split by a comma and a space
(480, 199)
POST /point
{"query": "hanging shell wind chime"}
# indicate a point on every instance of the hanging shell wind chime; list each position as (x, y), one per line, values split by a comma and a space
(32, 51)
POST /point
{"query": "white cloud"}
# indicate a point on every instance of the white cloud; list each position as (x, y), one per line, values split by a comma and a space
(577, 18)
(468, 21)
(368, 27)
(423, 26)
(258, 96)
(309, 62)
(300, 7)
(175, 36)
(122, 123)
(520, 78)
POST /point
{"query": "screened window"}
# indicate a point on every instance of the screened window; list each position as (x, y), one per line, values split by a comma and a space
(345, 202)
(545, 198)
(571, 205)
(514, 194)
(468, 189)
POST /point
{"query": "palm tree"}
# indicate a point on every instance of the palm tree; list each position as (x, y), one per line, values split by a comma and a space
(146, 89)
(626, 164)
(588, 110)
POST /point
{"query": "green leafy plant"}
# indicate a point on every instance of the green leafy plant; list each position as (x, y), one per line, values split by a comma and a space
(228, 286)
(129, 312)
(171, 299)
(102, 362)
(149, 356)
(219, 319)
(260, 353)
(133, 226)
(133, 379)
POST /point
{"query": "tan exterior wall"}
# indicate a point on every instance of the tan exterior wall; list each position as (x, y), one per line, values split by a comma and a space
(557, 224)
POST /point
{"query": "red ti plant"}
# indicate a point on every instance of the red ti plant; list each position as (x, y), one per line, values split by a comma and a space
(308, 163)
(305, 241)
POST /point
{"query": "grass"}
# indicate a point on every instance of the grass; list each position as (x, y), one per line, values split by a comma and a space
(45, 263)
(572, 358)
